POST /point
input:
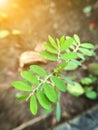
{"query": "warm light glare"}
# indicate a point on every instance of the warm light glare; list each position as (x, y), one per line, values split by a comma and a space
(2, 2)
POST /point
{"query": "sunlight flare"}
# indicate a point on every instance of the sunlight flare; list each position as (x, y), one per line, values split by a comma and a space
(2, 2)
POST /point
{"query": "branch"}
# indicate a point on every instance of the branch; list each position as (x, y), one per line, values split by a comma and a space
(31, 122)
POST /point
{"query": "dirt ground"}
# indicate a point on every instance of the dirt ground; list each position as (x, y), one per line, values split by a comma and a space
(36, 19)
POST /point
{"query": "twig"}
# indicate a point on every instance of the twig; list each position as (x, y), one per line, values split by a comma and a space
(31, 122)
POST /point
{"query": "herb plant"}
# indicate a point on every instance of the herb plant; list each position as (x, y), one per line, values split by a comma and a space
(45, 87)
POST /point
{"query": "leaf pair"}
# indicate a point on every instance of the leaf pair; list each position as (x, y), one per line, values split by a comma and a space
(51, 51)
(85, 49)
(45, 98)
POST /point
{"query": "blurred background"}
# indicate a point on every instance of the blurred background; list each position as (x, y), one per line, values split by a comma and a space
(27, 23)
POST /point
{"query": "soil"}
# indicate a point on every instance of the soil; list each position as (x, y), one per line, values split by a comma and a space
(36, 20)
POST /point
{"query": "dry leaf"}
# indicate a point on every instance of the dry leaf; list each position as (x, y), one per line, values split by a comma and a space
(30, 57)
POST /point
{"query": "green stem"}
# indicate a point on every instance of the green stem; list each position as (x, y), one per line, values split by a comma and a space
(41, 83)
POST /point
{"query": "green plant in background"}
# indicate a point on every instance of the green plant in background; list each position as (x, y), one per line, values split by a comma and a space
(44, 87)
(88, 85)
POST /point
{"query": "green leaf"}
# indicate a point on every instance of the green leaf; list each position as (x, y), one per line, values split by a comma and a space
(20, 85)
(48, 56)
(38, 70)
(87, 9)
(60, 67)
(47, 111)
(63, 65)
(77, 62)
(59, 83)
(50, 93)
(21, 97)
(50, 48)
(33, 105)
(86, 51)
(87, 89)
(87, 45)
(74, 42)
(71, 66)
(52, 41)
(68, 42)
(58, 111)
(29, 77)
(86, 81)
(69, 56)
(69, 80)
(43, 101)
(62, 40)
(91, 95)
(80, 56)
(76, 37)
(75, 90)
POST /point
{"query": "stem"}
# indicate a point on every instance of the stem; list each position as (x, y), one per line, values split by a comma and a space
(58, 59)
(41, 83)
(77, 47)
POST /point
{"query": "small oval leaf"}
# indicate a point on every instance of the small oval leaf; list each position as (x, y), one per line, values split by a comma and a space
(50, 48)
(86, 51)
(80, 56)
(87, 45)
(66, 44)
(52, 41)
(69, 56)
(50, 92)
(21, 97)
(29, 77)
(59, 83)
(91, 95)
(76, 37)
(20, 85)
(58, 111)
(33, 105)
(48, 56)
(43, 101)
(38, 70)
